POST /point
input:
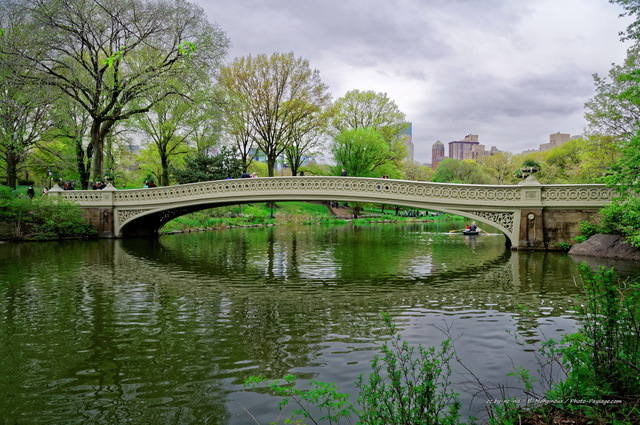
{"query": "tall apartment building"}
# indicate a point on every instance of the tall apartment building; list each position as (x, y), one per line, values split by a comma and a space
(555, 140)
(437, 154)
(458, 148)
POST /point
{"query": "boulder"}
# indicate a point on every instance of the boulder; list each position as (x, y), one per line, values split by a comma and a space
(607, 246)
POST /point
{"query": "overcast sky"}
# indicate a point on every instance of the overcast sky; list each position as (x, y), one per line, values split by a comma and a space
(511, 71)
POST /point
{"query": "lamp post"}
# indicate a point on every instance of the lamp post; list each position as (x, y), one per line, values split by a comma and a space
(50, 179)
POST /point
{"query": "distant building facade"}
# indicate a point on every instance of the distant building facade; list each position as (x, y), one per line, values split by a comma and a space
(478, 151)
(457, 149)
(437, 154)
(555, 140)
(408, 139)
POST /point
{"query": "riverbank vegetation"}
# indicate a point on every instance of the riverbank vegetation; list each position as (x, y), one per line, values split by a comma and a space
(261, 214)
(591, 376)
(23, 218)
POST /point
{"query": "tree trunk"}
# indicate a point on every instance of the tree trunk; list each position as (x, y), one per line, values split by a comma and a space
(84, 169)
(12, 169)
(99, 131)
(271, 166)
(164, 163)
(97, 142)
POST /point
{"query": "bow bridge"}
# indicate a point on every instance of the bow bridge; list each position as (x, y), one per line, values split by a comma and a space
(531, 215)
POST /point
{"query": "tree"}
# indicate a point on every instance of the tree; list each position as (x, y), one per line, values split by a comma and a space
(204, 168)
(168, 124)
(282, 97)
(599, 155)
(608, 113)
(631, 8)
(302, 148)
(498, 166)
(237, 125)
(24, 118)
(456, 171)
(368, 109)
(361, 151)
(414, 171)
(115, 58)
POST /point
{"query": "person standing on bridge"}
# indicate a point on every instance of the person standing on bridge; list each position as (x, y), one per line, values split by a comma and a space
(344, 173)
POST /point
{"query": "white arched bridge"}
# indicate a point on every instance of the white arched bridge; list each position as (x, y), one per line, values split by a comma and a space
(531, 215)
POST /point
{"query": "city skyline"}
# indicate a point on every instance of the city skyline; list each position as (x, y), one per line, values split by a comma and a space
(509, 71)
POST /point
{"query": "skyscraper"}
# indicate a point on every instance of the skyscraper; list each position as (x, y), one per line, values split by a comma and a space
(437, 154)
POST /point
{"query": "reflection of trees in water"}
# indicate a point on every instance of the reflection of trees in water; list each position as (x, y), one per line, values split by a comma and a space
(110, 345)
(118, 326)
(363, 271)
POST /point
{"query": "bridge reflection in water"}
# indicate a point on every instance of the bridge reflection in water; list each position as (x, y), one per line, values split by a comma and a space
(165, 330)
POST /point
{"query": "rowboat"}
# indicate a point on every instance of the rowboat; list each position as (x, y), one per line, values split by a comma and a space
(471, 232)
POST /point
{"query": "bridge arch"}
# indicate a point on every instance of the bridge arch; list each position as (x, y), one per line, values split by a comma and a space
(532, 216)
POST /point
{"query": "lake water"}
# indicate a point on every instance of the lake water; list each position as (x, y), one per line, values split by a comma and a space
(165, 331)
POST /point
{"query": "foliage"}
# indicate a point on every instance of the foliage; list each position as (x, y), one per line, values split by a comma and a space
(409, 388)
(403, 388)
(529, 163)
(608, 113)
(281, 98)
(24, 118)
(368, 109)
(114, 61)
(43, 218)
(499, 167)
(455, 171)
(361, 151)
(204, 168)
(602, 359)
(171, 124)
(412, 170)
(622, 216)
(321, 395)
(631, 8)
(624, 176)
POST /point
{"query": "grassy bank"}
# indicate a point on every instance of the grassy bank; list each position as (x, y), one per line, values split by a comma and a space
(261, 214)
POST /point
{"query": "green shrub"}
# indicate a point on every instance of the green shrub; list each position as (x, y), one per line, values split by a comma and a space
(602, 359)
(622, 216)
(589, 228)
(42, 219)
(404, 387)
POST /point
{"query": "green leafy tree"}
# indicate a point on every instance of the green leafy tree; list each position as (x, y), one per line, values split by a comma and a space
(609, 113)
(204, 168)
(24, 115)
(368, 109)
(456, 171)
(303, 147)
(115, 59)
(412, 170)
(167, 127)
(361, 151)
(499, 167)
(281, 97)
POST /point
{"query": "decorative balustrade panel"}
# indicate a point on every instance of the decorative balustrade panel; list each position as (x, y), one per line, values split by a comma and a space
(587, 193)
(385, 189)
